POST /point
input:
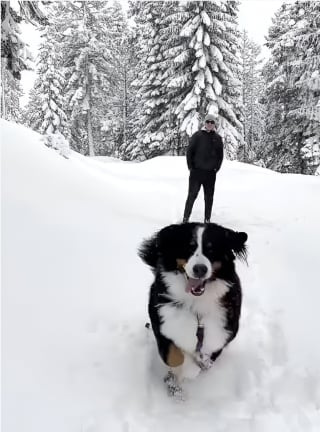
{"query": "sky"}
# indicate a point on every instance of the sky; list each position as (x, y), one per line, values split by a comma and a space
(254, 16)
(76, 355)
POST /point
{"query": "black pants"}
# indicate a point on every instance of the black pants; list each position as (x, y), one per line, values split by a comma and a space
(199, 178)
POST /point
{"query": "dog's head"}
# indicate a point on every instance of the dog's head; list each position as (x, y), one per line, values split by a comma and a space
(201, 252)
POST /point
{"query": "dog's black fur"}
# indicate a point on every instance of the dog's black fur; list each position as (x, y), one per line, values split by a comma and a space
(179, 242)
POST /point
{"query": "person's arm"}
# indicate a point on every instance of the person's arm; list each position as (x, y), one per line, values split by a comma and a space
(219, 152)
(190, 151)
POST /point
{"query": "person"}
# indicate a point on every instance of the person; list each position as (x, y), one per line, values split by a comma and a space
(204, 159)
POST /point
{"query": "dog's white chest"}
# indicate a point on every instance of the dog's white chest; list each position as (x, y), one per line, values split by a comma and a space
(181, 325)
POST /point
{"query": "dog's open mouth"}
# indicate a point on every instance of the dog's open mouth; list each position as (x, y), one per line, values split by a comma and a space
(195, 286)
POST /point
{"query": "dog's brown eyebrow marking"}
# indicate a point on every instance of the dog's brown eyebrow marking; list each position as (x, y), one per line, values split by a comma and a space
(216, 265)
(181, 263)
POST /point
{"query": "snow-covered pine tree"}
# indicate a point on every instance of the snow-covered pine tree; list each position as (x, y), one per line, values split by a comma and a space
(230, 102)
(13, 49)
(112, 111)
(206, 76)
(190, 66)
(15, 56)
(31, 11)
(243, 151)
(252, 92)
(291, 90)
(30, 112)
(156, 129)
(279, 92)
(130, 102)
(12, 94)
(48, 96)
(307, 80)
(195, 78)
(90, 59)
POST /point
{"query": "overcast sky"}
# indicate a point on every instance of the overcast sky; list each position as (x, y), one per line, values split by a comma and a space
(254, 16)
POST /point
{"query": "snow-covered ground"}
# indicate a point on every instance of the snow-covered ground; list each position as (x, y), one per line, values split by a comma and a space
(76, 355)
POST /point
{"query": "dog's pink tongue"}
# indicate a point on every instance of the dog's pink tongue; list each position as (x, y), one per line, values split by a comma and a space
(193, 284)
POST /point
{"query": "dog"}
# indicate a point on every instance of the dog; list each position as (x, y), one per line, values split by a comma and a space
(195, 298)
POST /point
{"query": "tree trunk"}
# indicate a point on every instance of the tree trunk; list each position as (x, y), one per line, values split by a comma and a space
(125, 108)
(90, 135)
(252, 125)
(3, 100)
(88, 89)
(302, 163)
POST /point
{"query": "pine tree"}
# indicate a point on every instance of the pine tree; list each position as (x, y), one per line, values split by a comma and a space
(307, 81)
(15, 56)
(157, 128)
(230, 103)
(90, 59)
(12, 97)
(13, 48)
(113, 110)
(209, 68)
(279, 92)
(48, 95)
(252, 93)
(147, 141)
(292, 94)
(30, 113)
(190, 69)
(129, 96)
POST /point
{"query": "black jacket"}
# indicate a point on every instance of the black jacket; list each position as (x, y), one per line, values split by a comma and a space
(205, 151)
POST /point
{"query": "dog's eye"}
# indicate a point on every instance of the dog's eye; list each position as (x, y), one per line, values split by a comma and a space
(209, 247)
(193, 244)
(209, 250)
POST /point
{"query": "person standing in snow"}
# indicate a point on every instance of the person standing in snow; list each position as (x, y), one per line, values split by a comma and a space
(204, 159)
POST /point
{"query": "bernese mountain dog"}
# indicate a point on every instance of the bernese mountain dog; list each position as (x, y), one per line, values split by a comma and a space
(195, 299)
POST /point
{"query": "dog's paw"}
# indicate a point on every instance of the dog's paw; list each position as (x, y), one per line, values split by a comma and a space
(204, 362)
(174, 389)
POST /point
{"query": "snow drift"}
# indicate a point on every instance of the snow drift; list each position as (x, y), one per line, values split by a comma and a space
(76, 355)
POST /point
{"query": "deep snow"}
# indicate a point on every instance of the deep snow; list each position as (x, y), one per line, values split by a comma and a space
(76, 355)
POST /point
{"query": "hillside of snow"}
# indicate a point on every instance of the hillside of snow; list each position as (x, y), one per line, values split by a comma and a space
(76, 356)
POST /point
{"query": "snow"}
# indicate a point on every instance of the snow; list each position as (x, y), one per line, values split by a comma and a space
(205, 18)
(76, 355)
(217, 86)
(199, 34)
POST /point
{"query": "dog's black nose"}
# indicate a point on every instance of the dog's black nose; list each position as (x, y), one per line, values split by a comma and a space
(199, 270)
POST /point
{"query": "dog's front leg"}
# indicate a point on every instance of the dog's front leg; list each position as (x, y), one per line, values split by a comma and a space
(206, 361)
(174, 387)
(188, 370)
(174, 358)
(203, 361)
(176, 376)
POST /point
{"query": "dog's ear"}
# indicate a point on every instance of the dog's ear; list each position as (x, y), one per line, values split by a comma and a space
(149, 251)
(237, 243)
(163, 245)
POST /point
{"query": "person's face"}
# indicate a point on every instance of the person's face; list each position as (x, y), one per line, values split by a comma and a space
(209, 124)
